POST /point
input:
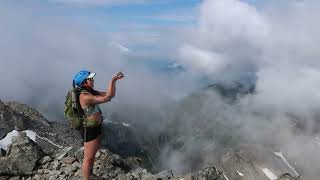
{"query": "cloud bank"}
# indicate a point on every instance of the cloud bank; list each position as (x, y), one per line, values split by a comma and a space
(277, 45)
(40, 52)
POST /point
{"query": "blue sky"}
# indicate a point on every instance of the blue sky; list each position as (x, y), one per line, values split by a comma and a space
(122, 15)
(117, 17)
(136, 16)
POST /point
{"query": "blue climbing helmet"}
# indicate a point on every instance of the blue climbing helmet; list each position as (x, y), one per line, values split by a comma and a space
(81, 76)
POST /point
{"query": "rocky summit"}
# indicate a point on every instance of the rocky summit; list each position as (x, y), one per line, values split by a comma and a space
(40, 149)
(25, 160)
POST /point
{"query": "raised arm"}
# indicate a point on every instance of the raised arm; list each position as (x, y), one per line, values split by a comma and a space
(104, 96)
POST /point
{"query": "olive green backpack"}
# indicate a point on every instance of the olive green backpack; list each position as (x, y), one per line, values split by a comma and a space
(72, 109)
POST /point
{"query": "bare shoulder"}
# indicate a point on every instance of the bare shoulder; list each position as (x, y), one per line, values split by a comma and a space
(85, 97)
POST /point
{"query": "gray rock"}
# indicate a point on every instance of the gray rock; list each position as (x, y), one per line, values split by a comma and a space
(98, 154)
(55, 165)
(69, 169)
(287, 176)
(37, 177)
(54, 172)
(63, 153)
(22, 156)
(4, 177)
(2, 152)
(62, 177)
(15, 178)
(40, 171)
(137, 172)
(53, 177)
(10, 120)
(45, 166)
(76, 164)
(165, 174)
(75, 178)
(121, 177)
(79, 154)
(148, 176)
(14, 115)
(189, 177)
(45, 159)
(68, 160)
(209, 173)
(46, 171)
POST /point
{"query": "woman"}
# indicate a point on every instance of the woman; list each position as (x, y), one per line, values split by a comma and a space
(89, 100)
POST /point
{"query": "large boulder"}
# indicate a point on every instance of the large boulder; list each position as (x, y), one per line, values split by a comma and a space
(10, 120)
(22, 156)
(51, 136)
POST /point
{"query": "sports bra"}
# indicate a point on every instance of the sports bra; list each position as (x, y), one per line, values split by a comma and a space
(91, 109)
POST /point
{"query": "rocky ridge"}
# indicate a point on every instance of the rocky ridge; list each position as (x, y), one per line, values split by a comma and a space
(57, 153)
(26, 160)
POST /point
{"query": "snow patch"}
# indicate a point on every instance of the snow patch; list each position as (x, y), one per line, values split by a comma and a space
(126, 124)
(6, 141)
(31, 134)
(240, 174)
(269, 174)
(225, 177)
(279, 154)
(48, 140)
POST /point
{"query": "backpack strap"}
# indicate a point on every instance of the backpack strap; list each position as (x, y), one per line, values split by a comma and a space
(74, 99)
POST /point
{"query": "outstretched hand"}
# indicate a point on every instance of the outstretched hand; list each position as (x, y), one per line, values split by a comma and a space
(118, 76)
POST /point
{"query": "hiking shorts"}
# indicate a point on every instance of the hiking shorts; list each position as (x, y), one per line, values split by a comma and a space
(91, 133)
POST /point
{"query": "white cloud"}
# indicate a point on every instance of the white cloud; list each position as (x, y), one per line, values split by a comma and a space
(234, 37)
(43, 52)
(230, 21)
(279, 44)
(289, 88)
(235, 32)
(202, 60)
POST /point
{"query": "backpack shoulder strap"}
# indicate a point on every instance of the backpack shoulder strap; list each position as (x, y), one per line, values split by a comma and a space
(75, 100)
(84, 91)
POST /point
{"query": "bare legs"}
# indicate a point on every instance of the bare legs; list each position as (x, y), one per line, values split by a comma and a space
(90, 150)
